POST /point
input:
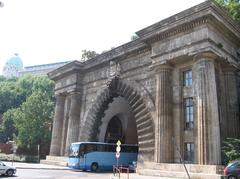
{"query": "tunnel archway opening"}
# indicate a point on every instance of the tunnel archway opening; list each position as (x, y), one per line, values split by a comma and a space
(140, 117)
(114, 131)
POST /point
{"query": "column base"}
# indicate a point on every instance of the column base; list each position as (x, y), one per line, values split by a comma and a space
(177, 170)
(55, 160)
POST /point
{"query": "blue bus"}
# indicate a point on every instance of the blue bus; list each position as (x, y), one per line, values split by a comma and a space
(96, 156)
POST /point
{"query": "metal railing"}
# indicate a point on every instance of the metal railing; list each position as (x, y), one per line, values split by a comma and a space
(117, 170)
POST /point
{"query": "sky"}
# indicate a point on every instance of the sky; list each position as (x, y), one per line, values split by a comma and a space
(49, 31)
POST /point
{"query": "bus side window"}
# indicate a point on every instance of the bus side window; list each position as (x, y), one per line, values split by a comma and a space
(81, 150)
(110, 148)
(100, 148)
(89, 148)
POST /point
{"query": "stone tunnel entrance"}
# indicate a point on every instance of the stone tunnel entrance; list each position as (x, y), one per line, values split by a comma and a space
(118, 123)
(120, 112)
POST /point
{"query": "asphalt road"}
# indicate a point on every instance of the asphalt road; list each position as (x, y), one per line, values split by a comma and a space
(56, 174)
(69, 174)
(43, 171)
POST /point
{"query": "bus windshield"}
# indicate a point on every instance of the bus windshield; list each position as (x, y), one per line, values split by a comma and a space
(74, 150)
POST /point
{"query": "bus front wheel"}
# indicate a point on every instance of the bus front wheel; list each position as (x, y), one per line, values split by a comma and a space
(94, 167)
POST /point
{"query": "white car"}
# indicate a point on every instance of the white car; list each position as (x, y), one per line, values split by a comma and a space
(7, 170)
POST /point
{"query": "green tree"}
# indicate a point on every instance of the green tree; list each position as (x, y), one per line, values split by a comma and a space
(134, 37)
(32, 120)
(88, 54)
(231, 149)
(10, 96)
(7, 129)
(25, 85)
(232, 6)
(2, 78)
(27, 105)
(44, 84)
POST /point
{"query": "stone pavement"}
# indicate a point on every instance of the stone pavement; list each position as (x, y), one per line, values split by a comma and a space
(19, 165)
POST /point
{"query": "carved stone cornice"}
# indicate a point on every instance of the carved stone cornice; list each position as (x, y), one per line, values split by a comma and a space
(68, 69)
(176, 30)
(187, 20)
(131, 48)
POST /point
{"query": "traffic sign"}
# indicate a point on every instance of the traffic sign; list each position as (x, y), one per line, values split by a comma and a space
(118, 149)
(119, 143)
(117, 155)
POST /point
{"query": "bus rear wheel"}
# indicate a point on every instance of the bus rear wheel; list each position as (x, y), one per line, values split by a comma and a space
(94, 167)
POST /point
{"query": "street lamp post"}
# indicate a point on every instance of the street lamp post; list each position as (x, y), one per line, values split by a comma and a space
(14, 148)
(38, 153)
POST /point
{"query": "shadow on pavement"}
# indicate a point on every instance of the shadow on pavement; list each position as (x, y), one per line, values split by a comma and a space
(5, 176)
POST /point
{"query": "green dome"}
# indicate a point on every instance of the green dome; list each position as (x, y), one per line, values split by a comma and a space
(15, 61)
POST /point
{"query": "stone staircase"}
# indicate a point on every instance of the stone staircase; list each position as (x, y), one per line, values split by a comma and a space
(55, 160)
(178, 171)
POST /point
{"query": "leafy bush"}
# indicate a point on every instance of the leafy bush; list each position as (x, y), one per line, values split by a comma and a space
(18, 158)
(231, 149)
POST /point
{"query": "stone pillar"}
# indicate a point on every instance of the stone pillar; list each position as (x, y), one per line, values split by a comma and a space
(231, 103)
(164, 121)
(55, 148)
(74, 119)
(208, 127)
(65, 127)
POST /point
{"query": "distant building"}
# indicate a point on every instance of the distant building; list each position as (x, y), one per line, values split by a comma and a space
(13, 66)
(41, 69)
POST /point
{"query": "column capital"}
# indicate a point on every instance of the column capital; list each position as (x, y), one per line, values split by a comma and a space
(158, 67)
(205, 56)
(60, 97)
(74, 94)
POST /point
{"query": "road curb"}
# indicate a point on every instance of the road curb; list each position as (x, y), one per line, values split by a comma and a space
(35, 168)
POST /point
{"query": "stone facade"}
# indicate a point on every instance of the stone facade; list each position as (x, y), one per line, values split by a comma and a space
(174, 90)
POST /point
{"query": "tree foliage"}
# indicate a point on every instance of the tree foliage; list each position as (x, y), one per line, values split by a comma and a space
(134, 37)
(10, 96)
(7, 129)
(27, 106)
(231, 149)
(32, 120)
(88, 54)
(232, 6)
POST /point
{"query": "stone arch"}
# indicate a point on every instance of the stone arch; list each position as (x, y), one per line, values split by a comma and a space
(139, 108)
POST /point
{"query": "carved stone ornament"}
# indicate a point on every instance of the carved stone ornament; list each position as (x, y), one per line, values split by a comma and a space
(114, 70)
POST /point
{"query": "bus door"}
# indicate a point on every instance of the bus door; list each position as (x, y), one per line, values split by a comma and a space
(82, 157)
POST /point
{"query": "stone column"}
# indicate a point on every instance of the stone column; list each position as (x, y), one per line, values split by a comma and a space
(208, 127)
(65, 127)
(231, 103)
(74, 119)
(164, 121)
(55, 148)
